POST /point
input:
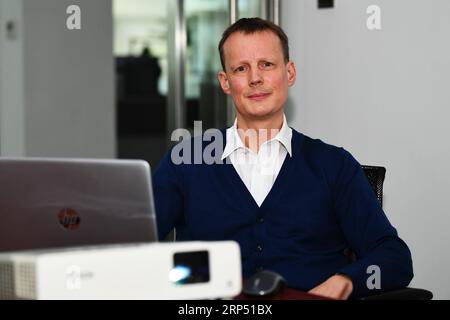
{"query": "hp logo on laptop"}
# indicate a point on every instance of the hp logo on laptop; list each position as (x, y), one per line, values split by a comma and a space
(69, 219)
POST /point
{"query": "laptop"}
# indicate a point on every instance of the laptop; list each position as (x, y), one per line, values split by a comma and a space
(54, 203)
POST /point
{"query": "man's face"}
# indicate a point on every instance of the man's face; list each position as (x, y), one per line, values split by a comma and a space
(256, 75)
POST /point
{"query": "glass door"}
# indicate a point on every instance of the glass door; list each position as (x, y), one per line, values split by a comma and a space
(197, 26)
(205, 101)
(141, 57)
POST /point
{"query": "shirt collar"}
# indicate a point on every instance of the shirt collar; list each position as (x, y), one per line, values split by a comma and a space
(285, 136)
(234, 141)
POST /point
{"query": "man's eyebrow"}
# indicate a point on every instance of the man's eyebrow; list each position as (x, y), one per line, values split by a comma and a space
(241, 62)
(247, 62)
(266, 59)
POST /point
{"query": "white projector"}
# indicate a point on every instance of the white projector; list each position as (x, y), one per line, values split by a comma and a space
(178, 270)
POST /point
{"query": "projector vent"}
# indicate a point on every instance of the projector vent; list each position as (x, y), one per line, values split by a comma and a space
(26, 281)
(6, 281)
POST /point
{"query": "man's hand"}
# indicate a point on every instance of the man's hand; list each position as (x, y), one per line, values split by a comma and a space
(337, 287)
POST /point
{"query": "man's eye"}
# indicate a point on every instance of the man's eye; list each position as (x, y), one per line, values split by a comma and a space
(267, 64)
(240, 69)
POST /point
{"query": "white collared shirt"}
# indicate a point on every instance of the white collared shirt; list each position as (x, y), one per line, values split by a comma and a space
(259, 170)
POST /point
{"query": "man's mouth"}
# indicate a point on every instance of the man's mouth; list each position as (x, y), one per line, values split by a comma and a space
(258, 96)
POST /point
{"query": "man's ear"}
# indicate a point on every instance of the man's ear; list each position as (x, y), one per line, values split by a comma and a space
(291, 73)
(223, 79)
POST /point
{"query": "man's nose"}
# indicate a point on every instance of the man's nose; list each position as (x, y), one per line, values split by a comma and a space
(255, 78)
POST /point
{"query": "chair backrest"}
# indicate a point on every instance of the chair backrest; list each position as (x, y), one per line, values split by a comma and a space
(376, 175)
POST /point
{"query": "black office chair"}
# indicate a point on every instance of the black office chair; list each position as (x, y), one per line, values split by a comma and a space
(376, 175)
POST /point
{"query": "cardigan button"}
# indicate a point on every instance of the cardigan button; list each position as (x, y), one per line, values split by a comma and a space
(260, 220)
(259, 248)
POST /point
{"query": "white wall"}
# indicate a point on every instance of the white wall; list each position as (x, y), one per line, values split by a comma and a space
(66, 85)
(12, 116)
(384, 96)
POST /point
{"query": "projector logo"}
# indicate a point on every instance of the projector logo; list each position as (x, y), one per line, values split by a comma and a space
(73, 278)
(69, 219)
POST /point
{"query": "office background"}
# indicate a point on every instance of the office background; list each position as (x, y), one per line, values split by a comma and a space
(381, 94)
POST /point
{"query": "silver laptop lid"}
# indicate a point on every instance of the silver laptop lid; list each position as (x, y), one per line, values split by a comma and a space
(51, 203)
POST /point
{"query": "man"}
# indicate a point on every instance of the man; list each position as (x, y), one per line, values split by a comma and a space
(293, 204)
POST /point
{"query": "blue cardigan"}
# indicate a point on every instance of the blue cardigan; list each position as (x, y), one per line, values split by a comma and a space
(321, 204)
